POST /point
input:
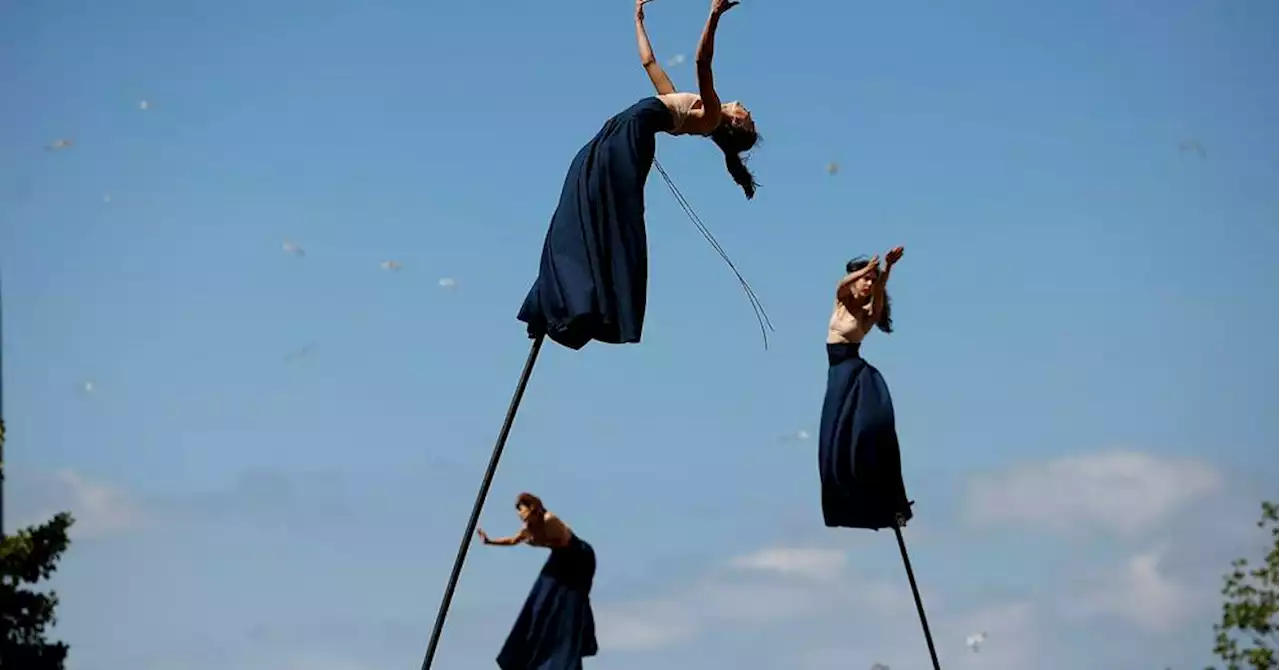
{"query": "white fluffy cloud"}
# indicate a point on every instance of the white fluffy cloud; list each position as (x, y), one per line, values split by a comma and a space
(823, 606)
(99, 508)
(855, 621)
(770, 585)
(1122, 492)
(812, 563)
(1139, 592)
(1014, 641)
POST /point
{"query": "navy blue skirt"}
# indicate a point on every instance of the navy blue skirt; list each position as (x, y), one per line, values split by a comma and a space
(594, 272)
(556, 629)
(858, 457)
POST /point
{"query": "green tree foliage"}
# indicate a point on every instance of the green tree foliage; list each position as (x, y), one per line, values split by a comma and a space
(1246, 636)
(26, 559)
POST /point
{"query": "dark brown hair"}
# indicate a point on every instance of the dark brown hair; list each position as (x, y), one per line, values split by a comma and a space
(529, 500)
(886, 318)
(734, 140)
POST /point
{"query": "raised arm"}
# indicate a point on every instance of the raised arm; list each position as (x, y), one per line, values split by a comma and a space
(657, 75)
(702, 62)
(877, 289)
(847, 281)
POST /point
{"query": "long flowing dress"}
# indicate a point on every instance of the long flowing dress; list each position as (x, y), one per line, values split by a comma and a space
(858, 457)
(594, 271)
(556, 628)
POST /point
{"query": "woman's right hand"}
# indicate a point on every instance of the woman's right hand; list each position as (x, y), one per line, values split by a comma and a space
(481, 534)
(640, 8)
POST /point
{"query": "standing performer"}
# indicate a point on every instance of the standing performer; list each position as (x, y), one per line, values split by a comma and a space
(858, 457)
(556, 628)
(593, 275)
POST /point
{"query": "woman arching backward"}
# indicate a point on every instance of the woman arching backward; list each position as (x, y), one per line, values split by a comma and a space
(859, 461)
(593, 272)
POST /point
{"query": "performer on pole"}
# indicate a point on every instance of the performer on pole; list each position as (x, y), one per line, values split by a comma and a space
(556, 628)
(593, 274)
(858, 458)
(591, 285)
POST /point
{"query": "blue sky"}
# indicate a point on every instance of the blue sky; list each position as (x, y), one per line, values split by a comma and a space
(1082, 365)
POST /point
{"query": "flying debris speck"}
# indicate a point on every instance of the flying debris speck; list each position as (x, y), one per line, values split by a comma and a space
(300, 353)
(974, 642)
(798, 436)
(447, 282)
(144, 105)
(1192, 147)
(389, 265)
(59, 144)
(291, 248)
(675, 60)
(833, 168)
(88, 387)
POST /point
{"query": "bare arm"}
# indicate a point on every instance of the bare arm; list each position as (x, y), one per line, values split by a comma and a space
(847, 281)
(710, 117)
(522, 536)
(657, 75)
(877, 289)
(877, 294)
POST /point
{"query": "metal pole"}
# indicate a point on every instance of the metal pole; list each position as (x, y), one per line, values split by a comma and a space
(467, 538)
(1, 410)
(915, 591)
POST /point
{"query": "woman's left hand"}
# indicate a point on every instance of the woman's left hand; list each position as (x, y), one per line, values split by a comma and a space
(719, 7)
(894, 255)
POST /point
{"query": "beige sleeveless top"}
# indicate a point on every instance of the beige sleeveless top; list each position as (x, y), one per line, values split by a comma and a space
(680, 105)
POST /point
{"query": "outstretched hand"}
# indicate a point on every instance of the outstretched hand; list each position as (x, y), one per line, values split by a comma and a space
(481, 534)
(640, 8)
(894, 255)
(719, 7)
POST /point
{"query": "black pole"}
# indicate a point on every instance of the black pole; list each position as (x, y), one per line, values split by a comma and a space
(915, 591)
(479, 505)
(1, 412)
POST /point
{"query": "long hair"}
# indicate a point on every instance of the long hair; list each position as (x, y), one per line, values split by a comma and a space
(885, 323)
(734, 140)
(534, 503)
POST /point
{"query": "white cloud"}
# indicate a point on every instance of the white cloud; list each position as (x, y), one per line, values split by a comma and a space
(1140, 593)
(1123, 492)
(1012, 638)
(99, 508)
(644, 625)
(897, 640)
(769, 586)
(812, 563)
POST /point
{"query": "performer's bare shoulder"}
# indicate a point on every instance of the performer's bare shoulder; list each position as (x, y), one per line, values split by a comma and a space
(550, 532)
(861, 302)
(540, 527)
(850, 321)
(851, 314)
